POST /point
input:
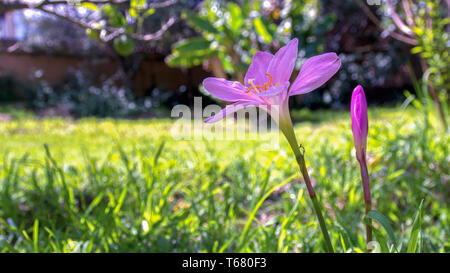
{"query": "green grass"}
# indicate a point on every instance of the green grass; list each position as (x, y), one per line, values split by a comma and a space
(94, 185)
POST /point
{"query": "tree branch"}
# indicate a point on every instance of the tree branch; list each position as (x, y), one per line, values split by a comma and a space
(155, 35)
(377, 22)
(17, 5)
(67, 18)
(408, 12)
(164, 4)
(109, 33)
(398, 21)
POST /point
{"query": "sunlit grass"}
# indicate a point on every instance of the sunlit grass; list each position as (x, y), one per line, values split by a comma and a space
(127, 186)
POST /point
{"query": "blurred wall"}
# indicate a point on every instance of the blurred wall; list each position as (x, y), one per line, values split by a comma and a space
(55, 70)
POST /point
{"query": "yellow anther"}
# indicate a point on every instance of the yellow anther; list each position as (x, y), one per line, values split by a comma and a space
(254, 87)
(259, 88)
(270, 76)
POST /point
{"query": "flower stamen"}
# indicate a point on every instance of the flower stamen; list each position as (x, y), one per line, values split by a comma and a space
(259, 88)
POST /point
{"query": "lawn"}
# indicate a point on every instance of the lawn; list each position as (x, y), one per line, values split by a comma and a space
(104, 185)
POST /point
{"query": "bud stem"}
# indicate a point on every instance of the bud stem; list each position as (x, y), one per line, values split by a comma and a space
(367, 199)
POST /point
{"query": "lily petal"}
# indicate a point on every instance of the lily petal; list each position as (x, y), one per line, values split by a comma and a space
(258, 68)
(229, 109)
(315, 71)
(282, 64)
(360, 123)
(226, 90)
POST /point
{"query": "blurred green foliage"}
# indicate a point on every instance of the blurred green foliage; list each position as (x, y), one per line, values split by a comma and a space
(123, 45)
(431, 28)
(126, 19)
(234, 31)
(427, 25)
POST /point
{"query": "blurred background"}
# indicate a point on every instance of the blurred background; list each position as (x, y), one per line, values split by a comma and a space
(139, 58)
(90, 162)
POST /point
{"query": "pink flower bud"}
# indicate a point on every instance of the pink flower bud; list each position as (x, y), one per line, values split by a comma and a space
(360, 123)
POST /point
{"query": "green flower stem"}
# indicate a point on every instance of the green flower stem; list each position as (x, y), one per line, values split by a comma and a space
(285, 124)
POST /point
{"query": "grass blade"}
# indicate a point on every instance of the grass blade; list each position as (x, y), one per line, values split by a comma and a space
(36, 236)
(415, 232)
(384, 222)
(255, 209)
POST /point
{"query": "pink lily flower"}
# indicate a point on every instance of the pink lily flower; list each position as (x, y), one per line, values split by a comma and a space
(267, 81)
(360, 123)
(267, 85)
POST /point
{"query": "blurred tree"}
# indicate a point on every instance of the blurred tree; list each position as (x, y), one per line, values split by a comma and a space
(105, 20)
(123, 26)
(232, 31)
(424, 25)
(324, 25)
(375, 61)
